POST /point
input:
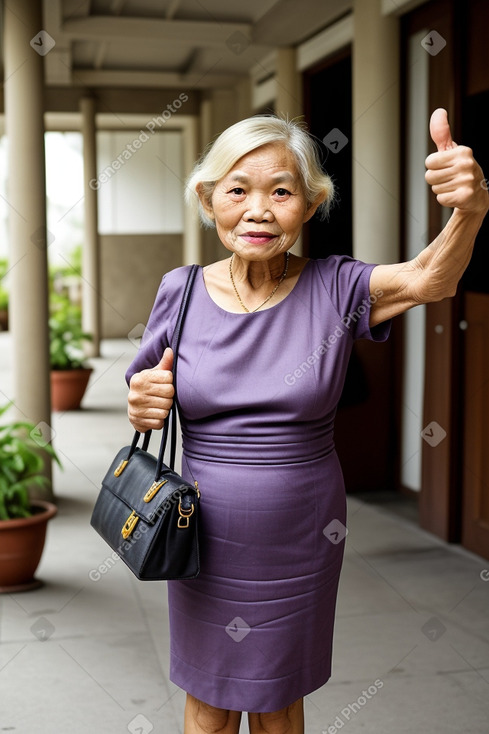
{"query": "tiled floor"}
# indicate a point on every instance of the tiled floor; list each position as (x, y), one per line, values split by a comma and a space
(83, 655)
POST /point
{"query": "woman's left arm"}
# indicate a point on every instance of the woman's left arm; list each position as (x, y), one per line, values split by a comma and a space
(458, 182)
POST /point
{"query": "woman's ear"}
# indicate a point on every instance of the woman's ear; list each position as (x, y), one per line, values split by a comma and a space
(205, 201)
(311, 208)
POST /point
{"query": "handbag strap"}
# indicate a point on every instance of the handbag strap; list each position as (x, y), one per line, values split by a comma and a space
(172, 416)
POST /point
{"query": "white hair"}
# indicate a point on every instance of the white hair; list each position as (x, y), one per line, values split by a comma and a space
(250, 134)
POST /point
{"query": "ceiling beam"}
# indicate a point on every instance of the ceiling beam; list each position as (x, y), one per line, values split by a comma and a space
(172, 8)
(110, 28)
(52, 18)
(79, 9)
(117, 6)
(99, 57)
(151, 79)
(57, 65)
(289, 22)
(192, 64)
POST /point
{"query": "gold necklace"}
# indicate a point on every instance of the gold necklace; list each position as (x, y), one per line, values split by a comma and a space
(281, 279)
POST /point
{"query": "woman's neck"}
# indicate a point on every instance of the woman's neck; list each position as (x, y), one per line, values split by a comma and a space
(255, 273)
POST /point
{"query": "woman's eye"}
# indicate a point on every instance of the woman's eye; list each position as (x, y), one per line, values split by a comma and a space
(282, 192)
(237, 191)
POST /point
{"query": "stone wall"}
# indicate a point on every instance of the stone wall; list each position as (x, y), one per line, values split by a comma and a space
(132, 266)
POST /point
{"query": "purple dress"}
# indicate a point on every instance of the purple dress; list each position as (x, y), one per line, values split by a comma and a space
(258, 393)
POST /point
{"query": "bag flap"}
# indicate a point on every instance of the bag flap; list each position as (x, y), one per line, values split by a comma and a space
(133, 482)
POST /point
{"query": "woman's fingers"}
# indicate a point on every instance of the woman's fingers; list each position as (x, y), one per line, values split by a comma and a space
(150, 392)
(146, 425)
(151, 395)
(455, 177)
(145, 419)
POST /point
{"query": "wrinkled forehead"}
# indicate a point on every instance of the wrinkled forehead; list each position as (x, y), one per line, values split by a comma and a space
(273, 160)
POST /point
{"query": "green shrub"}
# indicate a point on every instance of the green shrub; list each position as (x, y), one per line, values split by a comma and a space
(3, 289)
(21, 464)
(66, 337)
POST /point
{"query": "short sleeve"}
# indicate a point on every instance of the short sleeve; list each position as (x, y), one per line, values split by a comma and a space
(158, 333)
(347, 282)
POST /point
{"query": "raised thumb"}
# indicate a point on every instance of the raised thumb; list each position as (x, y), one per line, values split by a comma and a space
(440, 130)
(166, 362)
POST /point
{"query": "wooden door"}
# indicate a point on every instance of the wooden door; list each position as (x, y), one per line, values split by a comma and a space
(475, 511)
(438, 501)
(475, 287)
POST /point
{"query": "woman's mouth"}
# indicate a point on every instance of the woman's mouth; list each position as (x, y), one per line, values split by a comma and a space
(258, 238)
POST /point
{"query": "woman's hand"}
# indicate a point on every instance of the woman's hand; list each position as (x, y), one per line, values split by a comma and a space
(457, 181)
(453, 174)
(151, 395)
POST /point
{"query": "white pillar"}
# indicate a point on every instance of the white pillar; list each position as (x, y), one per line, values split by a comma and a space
(205, 120)
(224, 109)
(289, 86)
(24, 86)
(218, 110)
(243, 99)
(91, 246)
(376, 75)
(288, 101)
(192, 233)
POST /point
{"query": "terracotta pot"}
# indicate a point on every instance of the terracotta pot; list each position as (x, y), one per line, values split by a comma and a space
(68, 388)
(21, 546)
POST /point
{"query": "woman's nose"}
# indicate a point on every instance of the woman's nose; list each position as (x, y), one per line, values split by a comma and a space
(258, 210)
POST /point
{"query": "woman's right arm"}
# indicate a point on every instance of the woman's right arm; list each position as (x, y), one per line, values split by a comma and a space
(151, 395)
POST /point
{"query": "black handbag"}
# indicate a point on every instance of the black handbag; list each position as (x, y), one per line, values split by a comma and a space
(145, 511)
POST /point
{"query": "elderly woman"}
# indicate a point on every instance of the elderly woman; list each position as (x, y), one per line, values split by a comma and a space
(262, 363)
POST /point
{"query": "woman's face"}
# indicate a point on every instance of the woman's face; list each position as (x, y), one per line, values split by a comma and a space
(259, 207)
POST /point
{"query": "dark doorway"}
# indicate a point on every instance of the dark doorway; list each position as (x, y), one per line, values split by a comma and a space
(328, 107)
(474, 130)
(363, 427)
(475, 286)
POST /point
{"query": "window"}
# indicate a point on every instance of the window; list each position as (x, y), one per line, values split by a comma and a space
(139, 182)
(416, 233)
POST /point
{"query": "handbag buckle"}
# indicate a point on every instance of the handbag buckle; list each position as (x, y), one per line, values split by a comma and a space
(129, 525)
(185, 515)
(121, 468)
(153, 490)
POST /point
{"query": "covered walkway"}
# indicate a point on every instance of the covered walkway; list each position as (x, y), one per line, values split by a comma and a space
(88, 652)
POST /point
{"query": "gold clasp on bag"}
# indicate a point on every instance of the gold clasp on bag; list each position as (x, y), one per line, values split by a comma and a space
(185, 515)
(129, 525)
(153, 490)
(121, 468)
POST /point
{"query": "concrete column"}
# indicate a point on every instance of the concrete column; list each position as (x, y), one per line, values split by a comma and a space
(205, 120)
(192, 233)
(91, 247)
(289, 86)
(224, 110)
(24, 85)
(289, 98)
(243, 98)
(218, 111)
(376, 77)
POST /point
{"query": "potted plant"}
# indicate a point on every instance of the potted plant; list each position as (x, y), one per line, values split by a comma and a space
(3, 296)
(23, 520)
(69, 373)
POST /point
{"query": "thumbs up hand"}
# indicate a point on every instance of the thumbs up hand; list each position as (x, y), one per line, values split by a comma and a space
(440, 130)
(453, 174)
(151, 395)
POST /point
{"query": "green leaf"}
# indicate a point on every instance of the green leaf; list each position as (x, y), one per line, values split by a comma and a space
(21, 465)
